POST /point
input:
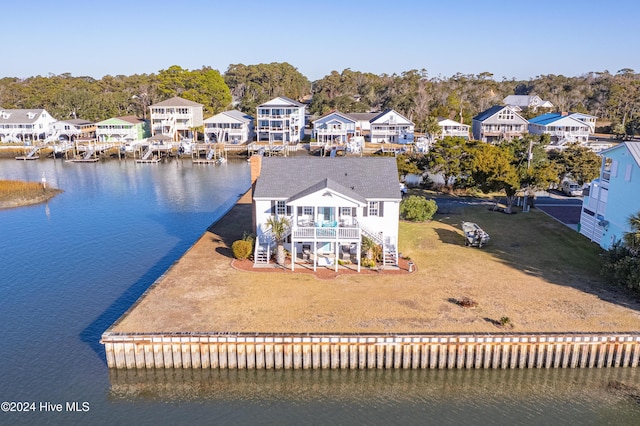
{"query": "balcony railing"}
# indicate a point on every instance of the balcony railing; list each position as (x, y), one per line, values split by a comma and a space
(326, 233)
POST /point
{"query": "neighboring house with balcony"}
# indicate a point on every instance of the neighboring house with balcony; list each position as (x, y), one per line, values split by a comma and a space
(334, 128)
(391, 127)
(589, 120)
(281, 121)
(70, 130)
(613, 197)
(453, 128)
(176, 117)
(531, 102)
(122, 129)
(25, 125)
(500, 122)
(330, 203)
(563, 128)
(229, 127)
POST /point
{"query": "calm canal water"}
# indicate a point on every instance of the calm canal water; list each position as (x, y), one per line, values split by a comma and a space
(72, 266)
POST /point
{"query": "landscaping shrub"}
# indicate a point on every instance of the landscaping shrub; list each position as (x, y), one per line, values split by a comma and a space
(417, 209)
(242, 249)
(621, 266)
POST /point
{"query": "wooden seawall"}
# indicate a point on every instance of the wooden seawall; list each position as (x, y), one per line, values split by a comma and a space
(407, 351)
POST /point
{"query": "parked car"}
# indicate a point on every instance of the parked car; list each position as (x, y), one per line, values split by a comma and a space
(571, 188)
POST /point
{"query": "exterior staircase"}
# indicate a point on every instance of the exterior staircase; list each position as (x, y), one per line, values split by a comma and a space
(262, 251)
(147, 153)
(390, 254)
(389, 250)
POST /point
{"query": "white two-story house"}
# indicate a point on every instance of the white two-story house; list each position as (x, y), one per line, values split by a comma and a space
(281, 121)
(498, 123)
(563, 128)
(25, 125)
(70, 130)
(453, 128)
(176, 117)
(391, 127)
(229, 127)
(331, 203)
(613, 197)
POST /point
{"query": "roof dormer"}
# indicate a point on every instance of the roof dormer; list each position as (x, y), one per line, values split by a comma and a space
(30, 115)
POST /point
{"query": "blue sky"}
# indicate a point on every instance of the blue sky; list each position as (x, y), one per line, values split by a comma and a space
(508, 38)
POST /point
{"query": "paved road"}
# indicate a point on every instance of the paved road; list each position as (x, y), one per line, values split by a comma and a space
(554, 203)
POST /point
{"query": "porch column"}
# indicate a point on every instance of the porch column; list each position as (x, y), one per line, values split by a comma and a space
(337, 246)
(293, 254)
(358, 252)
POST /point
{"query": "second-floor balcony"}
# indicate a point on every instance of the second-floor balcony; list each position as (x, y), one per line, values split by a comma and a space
(334, 131)
(346, 228)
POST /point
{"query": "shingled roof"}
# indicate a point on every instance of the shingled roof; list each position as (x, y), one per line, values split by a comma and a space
(366, 177)
(177, 101)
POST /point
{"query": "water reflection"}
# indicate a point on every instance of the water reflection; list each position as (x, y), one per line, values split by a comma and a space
(385, 396)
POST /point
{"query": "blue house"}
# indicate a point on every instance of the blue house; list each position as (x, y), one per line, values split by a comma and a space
(614, 196)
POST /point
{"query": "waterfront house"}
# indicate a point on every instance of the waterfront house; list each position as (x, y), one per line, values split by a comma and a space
(122, 129)
(589, 120)
(363, 122)
(25, 125)
(229, 127)
(176, 117)
(281, 121)
(500, 122)
(331, 203)
(453, 128)
(70, 130)
(563, 128)
(391, 127)
(531, 102)
(334, 128)
(614, 196)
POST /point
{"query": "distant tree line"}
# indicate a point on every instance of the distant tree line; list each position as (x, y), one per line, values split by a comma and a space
(611, 97)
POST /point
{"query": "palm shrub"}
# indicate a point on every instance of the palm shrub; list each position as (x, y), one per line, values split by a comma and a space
(417, 209)
(371, 252)
(279, 227)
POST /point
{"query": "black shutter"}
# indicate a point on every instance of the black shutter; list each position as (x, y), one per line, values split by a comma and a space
(381, 209)
(288, 211)
(273, 207)
(365, 211)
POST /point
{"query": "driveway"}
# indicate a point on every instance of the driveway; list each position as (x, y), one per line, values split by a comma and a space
(560, 207)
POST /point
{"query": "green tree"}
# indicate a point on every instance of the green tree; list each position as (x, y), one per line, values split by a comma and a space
(279, 227)
(417, 209)
(579, 162)
(493, 170)
(447, 157)
(205, 86)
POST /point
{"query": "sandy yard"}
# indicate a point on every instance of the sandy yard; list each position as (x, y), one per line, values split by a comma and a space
(207, 291)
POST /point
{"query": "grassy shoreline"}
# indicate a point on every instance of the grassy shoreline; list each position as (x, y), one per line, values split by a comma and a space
(14, 193)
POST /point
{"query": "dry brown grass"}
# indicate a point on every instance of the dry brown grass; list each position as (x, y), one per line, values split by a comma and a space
(540, 275)
(15, 193)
